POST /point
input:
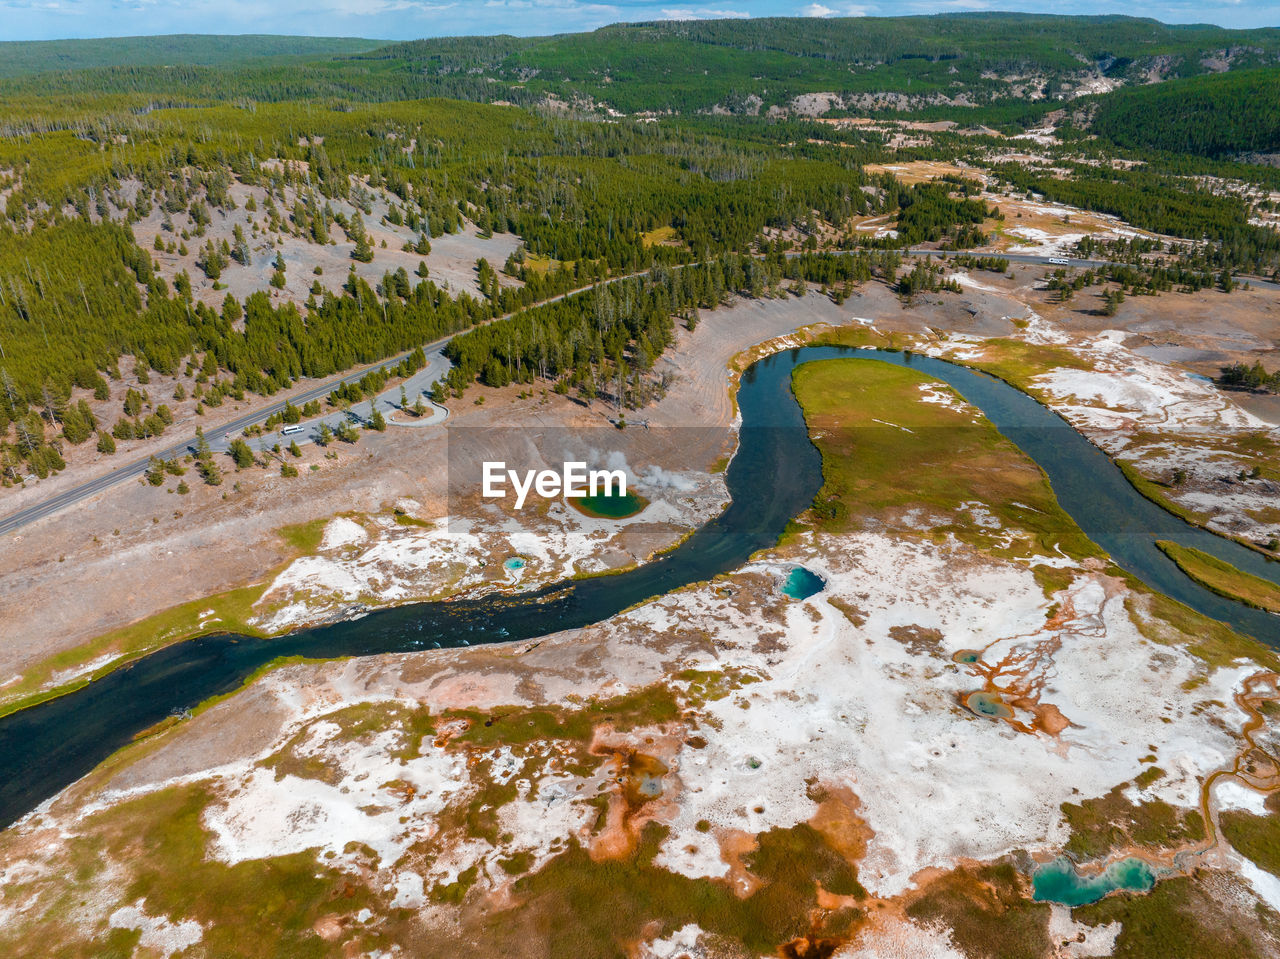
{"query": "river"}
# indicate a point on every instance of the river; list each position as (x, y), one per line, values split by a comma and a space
(772, 477)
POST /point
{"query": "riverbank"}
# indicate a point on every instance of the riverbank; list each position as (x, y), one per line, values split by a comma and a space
(218, 540)
(673, 753)
(106, 556)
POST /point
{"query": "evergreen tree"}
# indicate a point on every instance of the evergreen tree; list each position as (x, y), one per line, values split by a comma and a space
(207, 468)
(241, 453)
(363, 250)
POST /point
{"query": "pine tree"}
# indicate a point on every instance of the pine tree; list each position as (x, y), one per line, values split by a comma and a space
(240, 247)
(363, 250)
(242, 453)
(208, 469)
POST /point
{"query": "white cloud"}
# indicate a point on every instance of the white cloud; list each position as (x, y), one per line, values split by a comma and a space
(935, 6)
(555, 6)
(844, 10)
(703, 13)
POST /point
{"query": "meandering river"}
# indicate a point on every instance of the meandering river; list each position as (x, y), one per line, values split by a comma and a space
(773, 476)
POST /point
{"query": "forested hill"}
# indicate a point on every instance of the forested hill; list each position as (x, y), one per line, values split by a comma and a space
(951, 62)
(750, 65)
(1221, 116)
(21, 58)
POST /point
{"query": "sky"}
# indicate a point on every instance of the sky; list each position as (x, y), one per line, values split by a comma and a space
(410, 19)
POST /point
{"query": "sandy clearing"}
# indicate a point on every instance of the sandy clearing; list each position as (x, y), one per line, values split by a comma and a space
(157, 933)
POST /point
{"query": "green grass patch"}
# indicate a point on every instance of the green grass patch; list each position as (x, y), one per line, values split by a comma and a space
(660, 236)
(518, 725)
(884, 451)
(1148, 776)
(1112, 821)
(537, 263)
(856, 335)
(227, 612)
(355, 722)
(1257, 838)
(256, 908)
(1158, 493)
(1177, 919)
(304, 538)
(987, 912)
(288, 761)
(1168, 622)
(404, 519)
(1219, 576)
(708, 686)
(593, 910)
(1018, 362)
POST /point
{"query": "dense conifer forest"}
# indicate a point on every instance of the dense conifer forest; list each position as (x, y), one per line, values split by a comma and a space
(1219, 116)
(655, 168)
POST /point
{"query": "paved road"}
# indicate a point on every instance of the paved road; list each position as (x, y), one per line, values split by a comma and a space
(219, 438)
(437, 366)
(388, 402)
(1016, 258)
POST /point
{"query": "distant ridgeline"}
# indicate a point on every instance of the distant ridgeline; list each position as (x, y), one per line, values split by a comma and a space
(738, 66)
(24, 57)
(697, 198)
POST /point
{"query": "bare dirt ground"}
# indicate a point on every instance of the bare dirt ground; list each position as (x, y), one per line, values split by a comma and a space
(451, 263)
(1200, 331)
